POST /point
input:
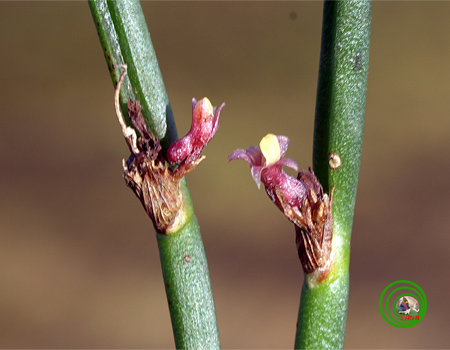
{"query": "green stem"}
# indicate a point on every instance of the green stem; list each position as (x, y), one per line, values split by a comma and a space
(339, 124)
(187, 283)
(124, 36)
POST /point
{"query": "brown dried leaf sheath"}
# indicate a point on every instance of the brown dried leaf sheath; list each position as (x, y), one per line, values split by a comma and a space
(313, 223)
(149, 176)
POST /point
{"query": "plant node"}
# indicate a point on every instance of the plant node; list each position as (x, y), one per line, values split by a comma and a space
(148, 174)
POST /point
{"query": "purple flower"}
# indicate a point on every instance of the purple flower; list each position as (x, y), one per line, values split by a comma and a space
(266, 162)
(301, 199)
(188, 149)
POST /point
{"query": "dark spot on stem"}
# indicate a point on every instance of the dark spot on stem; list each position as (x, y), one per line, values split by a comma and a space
(357, 60)
(293, 15)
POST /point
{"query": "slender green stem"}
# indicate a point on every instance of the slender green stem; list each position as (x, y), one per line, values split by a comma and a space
(124, 36)
(188, 286)
(339, 124)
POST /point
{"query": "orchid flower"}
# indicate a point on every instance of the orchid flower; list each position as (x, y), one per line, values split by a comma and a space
(301, 199)
(266, 162)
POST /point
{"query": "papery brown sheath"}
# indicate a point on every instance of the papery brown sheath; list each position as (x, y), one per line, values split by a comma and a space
(314, 225)
(146, 171)
(149, 176)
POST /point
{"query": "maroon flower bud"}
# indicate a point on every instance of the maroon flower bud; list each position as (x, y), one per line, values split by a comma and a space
(188, 150)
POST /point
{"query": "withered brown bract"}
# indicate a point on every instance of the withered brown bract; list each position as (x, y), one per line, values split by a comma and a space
(149, 175)
(313, 223)
(146, 171)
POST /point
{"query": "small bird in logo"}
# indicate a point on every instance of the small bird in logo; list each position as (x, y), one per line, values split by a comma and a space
(405, 309)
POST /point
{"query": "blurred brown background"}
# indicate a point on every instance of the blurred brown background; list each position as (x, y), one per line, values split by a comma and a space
(79, 265)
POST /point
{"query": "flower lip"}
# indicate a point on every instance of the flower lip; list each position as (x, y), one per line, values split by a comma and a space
(270, 148)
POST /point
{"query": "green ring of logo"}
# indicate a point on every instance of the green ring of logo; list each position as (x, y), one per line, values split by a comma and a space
(406, 288)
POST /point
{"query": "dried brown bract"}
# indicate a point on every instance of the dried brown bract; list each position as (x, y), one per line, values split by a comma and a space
(314, 225)
(149, 176)
(146, 171)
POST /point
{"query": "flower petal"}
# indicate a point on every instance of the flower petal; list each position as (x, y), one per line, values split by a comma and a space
(256, 155)
(256, 173)
(283, 141)
(251, 155)
(240, 154)
(216, 112)
(289, 162)
(194, 103)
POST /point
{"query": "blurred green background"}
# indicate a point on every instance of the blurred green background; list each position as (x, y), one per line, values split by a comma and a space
(79, 266)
